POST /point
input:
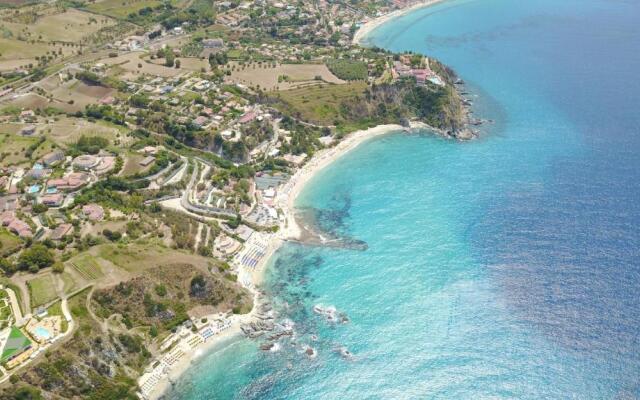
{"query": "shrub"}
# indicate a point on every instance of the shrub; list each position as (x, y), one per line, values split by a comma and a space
(35, 258)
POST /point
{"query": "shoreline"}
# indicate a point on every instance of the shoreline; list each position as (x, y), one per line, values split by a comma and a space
(289, 230)
(373, 24)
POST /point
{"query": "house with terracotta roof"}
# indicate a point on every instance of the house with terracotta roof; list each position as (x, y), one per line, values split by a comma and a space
(52, 200)
(248, 117)
(9, 202)
(70, 182)
(20, 228)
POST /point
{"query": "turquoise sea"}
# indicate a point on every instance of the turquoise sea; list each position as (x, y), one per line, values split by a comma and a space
(505, 267)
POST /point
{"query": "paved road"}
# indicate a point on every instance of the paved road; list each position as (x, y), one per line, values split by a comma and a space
(15, 304)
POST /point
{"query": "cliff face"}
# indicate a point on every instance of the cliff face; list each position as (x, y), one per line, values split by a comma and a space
(438, 106)
(353, 106)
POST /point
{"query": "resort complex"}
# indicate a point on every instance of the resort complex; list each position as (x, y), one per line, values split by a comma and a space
(150, 157)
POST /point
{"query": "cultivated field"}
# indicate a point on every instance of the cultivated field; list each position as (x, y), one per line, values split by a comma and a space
(39, 31)
(15, 149)
(70, 26)
(62, 132)
(87, 266)
(283, 76)
(119, 8)
(29, 101)
(133, 66)
(76, 95)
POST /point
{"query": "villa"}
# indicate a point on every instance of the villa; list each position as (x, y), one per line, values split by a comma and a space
(86, 162)
(70, 182)
(15, 225)
(52, 200)
(45, 329)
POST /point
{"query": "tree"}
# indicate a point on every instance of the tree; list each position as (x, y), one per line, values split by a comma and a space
(39, 208)
(169, 57)
(26, 393)
(35, 258)
(111, 235)
(58, 267)
(7, 266)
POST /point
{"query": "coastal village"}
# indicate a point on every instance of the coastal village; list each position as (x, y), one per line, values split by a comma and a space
(148, 166)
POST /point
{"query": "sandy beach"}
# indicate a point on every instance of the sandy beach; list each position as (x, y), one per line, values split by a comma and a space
(293, 188)
(369, 26)
(289, 230)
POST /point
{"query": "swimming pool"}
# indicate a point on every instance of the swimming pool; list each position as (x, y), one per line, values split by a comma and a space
(42, 333)
(34, 189)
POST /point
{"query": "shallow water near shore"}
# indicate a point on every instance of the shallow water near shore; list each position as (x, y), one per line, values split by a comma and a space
(505, 267)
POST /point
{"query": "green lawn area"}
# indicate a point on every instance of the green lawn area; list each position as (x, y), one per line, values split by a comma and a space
(79, 312)
(16, 343)
(42, 290)
(321, 104)
(70, 284)
(9, 242)
(56, 309)
(134, 258)
(87, 266)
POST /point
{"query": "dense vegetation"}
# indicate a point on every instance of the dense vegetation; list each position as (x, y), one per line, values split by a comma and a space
(162, 296)
(348, 70)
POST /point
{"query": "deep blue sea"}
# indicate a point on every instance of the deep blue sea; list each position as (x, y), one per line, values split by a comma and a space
(503, 268)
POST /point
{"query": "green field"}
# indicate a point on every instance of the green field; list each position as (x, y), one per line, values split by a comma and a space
(321, 104)
(42, 290)
(134, 258)
(9, 242)
(16, 343)
(87, 266)
(348, 70)
(56, 309)
(70, 283)
(13, 149)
